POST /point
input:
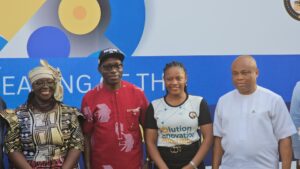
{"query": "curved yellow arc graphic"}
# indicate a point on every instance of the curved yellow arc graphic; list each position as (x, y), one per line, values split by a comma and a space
(15, 13)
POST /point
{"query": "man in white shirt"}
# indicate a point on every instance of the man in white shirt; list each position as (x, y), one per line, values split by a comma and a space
(295, 113)
(252, 124)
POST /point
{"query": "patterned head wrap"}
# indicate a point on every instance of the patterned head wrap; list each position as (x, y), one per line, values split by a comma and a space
(47, 71)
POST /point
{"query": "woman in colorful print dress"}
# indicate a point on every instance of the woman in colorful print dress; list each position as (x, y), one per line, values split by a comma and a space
(43, 132)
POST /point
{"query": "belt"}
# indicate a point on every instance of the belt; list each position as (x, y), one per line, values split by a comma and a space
(179, 148)
(176, 149)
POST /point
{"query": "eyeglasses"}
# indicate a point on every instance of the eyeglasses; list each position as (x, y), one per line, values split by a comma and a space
(110, 67)
(42, 83)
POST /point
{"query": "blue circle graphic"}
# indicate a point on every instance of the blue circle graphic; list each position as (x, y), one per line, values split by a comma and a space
(126, 24)
(48, 41)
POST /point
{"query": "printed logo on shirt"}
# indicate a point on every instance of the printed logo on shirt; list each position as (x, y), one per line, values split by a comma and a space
(134, 111)
(193, 115)
(103, 113)
(180, 134)
(88, 114)
(126, 140)
(107, 167)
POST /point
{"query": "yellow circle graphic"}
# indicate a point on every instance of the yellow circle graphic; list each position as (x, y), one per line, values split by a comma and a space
(79, 16)
(79, 13)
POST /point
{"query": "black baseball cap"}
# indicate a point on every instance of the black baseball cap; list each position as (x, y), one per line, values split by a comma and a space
(110, 53)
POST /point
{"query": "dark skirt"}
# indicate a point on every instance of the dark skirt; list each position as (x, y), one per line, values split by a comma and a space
(179, 156)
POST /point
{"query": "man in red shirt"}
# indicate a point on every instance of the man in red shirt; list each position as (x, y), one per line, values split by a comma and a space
(113, 111)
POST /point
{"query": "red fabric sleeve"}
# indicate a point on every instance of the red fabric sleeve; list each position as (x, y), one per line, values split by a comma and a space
(144, 105)
(88, 123)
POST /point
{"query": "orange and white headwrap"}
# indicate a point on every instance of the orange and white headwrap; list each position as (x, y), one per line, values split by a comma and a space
(47, 71)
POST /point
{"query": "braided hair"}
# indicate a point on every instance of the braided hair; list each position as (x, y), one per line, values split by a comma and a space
(176, 64)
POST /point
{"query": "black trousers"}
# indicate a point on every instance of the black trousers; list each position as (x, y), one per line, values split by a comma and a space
(179, 156)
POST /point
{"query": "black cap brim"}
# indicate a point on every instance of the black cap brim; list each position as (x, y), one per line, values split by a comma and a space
(103, 58)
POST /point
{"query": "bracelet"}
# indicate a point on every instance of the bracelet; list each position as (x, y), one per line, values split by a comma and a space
(193, 164)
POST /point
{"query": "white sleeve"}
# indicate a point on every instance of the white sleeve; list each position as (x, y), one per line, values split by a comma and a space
(295, 105)
(295, 114)
(283, 125)
(218, 121)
